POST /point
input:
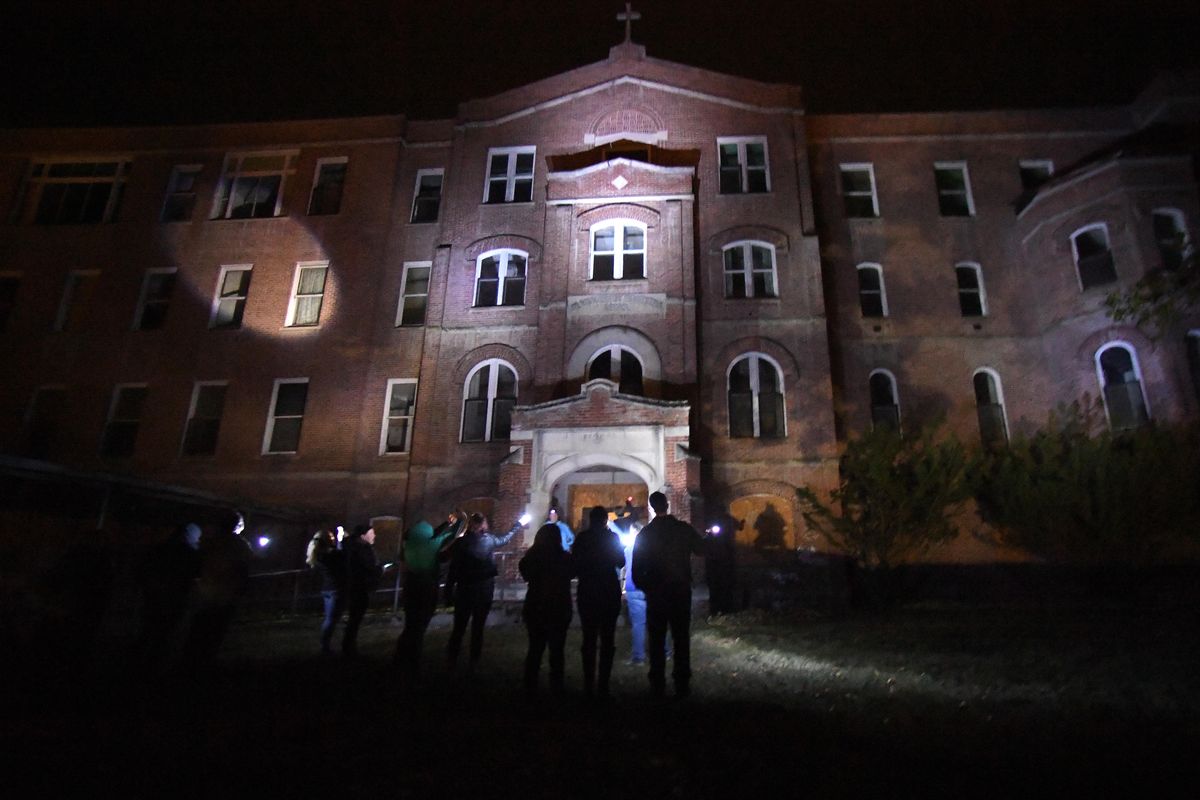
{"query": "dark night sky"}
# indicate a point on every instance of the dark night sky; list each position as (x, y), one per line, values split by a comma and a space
(140, 62)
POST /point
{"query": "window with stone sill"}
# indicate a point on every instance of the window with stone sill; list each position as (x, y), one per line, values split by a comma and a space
(509, 175)
(743, 164)
(618, 251)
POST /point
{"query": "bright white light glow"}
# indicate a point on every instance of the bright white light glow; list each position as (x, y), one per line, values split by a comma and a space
(263, 541)
(524, 520)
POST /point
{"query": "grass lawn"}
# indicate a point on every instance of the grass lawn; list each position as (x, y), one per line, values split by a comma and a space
(931, 700)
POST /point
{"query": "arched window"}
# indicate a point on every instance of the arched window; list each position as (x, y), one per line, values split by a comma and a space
(756, 398)
(1121, 383)
(750, 270)
(989, 406)
(1093, 256)
(972, 300)
(488, 399)
(872, 299)
(618, 251)
(885, 402)
(500, 278)
(618, 364)
(1170, 233)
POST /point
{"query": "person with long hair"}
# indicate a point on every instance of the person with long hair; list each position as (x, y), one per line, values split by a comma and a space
(327, 561)
(548, 570)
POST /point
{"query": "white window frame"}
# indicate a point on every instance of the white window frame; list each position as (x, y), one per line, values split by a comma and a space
(895, 393)
(747, 247)
(878, 268)
(272, 418)
(140, 311)
(218, 298)
(404, 293)
(967, 192)
(503, 255)
(173, 190)
(293, 300)
(619, 250)
(27, 206)
(755, 390)
(112, 410)
(512, 176)
(321, 162)
(859, 166)
(616, 352)
(1137, 371)
(231, 170)
(196, 388)
(70, 288)
(421, 173)
(388, 417)
(1035, 163)
(490, 408)
(999, 386)
(1180, 219)
(978, 270)
(741, 142)
(1102, 226)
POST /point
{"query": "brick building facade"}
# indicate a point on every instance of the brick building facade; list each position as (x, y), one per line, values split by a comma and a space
(631, 276)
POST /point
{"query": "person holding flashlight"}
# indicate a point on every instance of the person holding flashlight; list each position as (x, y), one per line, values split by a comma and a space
(475, 570)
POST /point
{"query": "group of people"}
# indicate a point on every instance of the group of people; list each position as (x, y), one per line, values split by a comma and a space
(349, 572)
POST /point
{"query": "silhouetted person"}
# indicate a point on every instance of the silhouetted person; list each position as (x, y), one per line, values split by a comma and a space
(662, 569)
(548, 570)
(362, 577)
(770, 527)
(720, 563)
(167, 578)
(328, 561)
(568, 535)
(419, 553)
(224, 573)
(475, 573)
(598, 560)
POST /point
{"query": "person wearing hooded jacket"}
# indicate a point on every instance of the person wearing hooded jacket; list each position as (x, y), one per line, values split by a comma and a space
(548, 570)
(598, 560)
(419, 552)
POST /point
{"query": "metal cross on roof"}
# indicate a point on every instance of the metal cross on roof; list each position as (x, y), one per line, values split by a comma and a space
(628, 18)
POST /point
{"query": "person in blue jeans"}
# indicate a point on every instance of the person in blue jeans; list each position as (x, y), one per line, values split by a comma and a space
(627, 528)
(326, 559)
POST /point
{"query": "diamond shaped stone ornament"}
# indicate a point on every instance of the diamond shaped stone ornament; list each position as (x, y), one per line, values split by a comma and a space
(620, 182)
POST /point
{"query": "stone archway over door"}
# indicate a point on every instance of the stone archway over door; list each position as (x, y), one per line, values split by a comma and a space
(598, 428)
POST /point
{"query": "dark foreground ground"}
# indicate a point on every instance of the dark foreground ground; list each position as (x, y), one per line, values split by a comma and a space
(928, 701)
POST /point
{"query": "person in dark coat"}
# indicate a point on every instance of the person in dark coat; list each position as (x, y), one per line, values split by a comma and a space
(167, 578)
(475, 573)
(224, 574)
(362, 577)
(662, 569)
(328, 562)
(419, 552)
(548, 570)
(599, 558)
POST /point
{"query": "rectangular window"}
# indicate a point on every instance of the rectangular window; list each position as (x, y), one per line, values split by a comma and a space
(288, 399)
(1093, 258)
(1035, 172)
(328, 180)
(858, 190)
(396, 436)
(124, 417)
(233, 287)
(510, 175)
(44, 422)
(77, 297)
(971, 299)
(743, 164)
(251, 185)
(204, 418)
(10, 283)
(155, 300)
(872, 300)
(427, 197)
(181, 193)
(308, 293)
(953, 189)
(414, 294)
(70, 193)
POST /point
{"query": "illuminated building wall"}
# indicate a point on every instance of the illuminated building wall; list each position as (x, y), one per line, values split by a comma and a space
(338, 315)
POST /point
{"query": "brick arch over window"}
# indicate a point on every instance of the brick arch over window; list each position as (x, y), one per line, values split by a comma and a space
(760, 233)
(505, 241)
(637, 123)
(617, 211)
(619, 335)
(504, 352)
